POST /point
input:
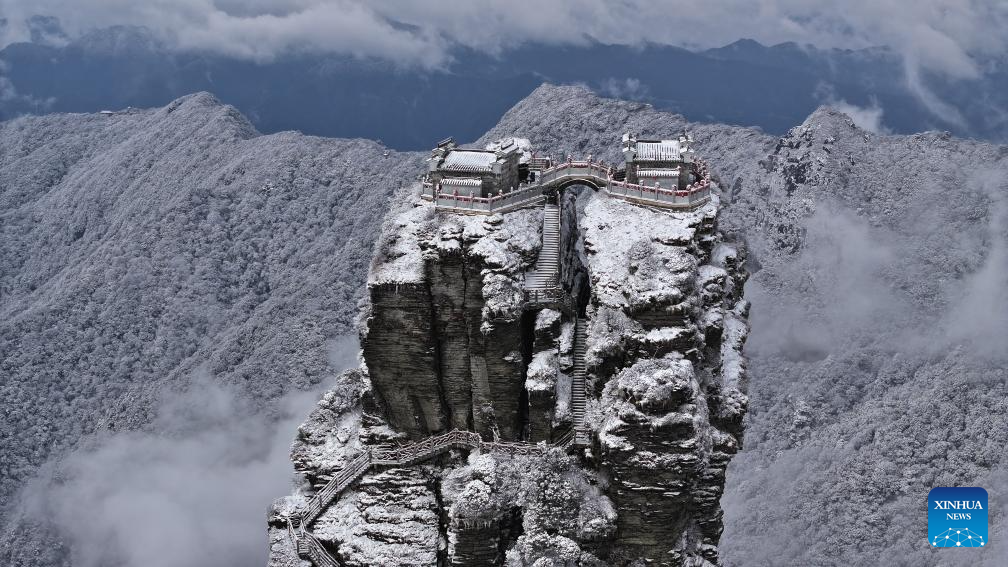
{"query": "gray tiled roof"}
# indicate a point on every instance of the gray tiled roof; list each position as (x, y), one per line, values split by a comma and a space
(664, 150)
(469, 160)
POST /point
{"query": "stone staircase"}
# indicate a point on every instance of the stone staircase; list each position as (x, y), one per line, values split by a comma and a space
(310, 548)
(542, 283)
(565, 439)
(546, 274)
(578, 388)
(346, 476)
(542, 288)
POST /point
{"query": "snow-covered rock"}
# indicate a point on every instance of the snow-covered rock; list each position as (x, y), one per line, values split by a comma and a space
(139, 247)
(443, 338)
(877, 285)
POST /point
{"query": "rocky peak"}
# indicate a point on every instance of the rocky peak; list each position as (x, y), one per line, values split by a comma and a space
(625, 401)
(204, 110)
(827, 121)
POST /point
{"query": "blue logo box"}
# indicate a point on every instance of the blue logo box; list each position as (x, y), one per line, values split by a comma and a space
(957, 517)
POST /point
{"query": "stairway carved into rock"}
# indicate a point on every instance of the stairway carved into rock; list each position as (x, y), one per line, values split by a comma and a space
(309, 547)
(578, 392)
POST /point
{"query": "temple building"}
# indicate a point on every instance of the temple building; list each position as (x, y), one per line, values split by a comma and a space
(665, 162)
(480, 172)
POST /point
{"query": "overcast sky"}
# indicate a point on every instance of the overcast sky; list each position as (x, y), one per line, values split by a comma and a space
(954, 37)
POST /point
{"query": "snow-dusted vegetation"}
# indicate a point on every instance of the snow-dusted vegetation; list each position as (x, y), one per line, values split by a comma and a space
(879, 322)
(140, 249)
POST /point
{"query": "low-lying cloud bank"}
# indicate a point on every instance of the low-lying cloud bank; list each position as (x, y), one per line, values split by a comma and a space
(877, 354)
(192, 494)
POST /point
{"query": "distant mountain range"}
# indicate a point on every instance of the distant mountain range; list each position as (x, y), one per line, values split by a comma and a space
(143, 250)
(744, 83)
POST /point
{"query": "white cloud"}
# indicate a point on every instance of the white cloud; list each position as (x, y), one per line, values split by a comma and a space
(956, 39)
(8, 93)
(950, 37)
(192, 493)
(257, 31)
(842, 259)
(938, 108)
(629, 89)
(865, 117)
(979, 316)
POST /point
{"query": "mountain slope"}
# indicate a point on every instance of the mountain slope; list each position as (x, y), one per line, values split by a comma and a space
(878, 320)
(144, 248)
(140, 249)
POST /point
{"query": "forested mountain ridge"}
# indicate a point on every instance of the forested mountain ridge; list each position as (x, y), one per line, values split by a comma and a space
(879, 274)
(142, 247)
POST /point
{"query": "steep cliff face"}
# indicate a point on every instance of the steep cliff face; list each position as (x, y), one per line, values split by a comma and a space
(445, 339)
(877, 266)
(664, 289)
(451, 341)
(878, 293)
